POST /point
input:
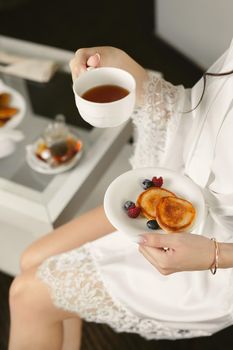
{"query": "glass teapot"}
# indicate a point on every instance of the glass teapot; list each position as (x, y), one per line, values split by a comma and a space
(59, 145)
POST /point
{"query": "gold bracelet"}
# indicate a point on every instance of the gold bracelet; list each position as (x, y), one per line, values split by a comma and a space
(214, 266)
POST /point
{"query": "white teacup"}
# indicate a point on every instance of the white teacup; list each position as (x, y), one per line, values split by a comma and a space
(108, 114)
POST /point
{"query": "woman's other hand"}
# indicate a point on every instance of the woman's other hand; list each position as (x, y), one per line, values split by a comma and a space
(107, 56)
(175, 252)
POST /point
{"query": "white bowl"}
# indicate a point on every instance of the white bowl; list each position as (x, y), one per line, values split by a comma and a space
(17, 101)
(7, 147)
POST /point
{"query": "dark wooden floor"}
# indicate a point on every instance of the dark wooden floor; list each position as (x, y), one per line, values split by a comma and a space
(128, 24)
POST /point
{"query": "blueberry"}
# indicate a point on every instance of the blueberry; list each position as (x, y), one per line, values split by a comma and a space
(153, 225)
(147, 184)
(129, 204)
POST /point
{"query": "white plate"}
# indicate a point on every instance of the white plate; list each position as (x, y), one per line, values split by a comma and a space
(128, 186)
(43, 167)
(16, 101)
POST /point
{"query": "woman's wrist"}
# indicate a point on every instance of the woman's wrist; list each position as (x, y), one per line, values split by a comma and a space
(225, 255)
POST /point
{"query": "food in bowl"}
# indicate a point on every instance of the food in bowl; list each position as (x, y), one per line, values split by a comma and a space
(6, 110)
(58, 153)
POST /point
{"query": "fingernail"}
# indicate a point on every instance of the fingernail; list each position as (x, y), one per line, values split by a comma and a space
(98, 56)
(142, 239)
(83, 69)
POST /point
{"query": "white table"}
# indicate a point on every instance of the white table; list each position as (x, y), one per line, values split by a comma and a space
(32, 204)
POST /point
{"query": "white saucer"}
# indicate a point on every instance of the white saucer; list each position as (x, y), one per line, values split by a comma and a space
(44, 168)
(128, 186)
(17, 101)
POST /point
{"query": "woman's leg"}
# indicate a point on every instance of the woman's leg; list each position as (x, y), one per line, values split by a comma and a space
(72, 332)
(35, 322)
(66, 237)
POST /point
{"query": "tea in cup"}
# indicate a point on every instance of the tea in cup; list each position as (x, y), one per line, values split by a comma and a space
(105, 97)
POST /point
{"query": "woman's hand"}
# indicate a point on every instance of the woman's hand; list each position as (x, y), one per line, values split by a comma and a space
(106, 56)
(183, 252)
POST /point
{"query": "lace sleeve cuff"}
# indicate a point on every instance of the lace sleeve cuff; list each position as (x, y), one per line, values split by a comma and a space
(156, 120)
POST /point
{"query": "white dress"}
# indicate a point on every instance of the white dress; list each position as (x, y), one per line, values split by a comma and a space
(108, 280)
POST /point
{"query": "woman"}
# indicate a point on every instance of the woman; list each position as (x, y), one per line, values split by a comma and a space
(111, 280)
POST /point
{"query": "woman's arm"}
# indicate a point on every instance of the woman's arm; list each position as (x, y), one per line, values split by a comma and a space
(186, 252)
(88, 227)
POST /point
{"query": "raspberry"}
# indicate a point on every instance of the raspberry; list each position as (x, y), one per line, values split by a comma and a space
(157, 181)
(134, 212)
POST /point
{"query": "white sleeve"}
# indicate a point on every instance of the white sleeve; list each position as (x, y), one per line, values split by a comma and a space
(157, 121)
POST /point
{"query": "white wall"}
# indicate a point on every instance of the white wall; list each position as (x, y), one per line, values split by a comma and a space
(200, 29)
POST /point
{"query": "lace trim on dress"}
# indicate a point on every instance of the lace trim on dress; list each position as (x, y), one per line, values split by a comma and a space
(76, 285)
(156, 121)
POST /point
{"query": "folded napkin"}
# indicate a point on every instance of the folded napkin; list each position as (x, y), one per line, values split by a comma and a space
(39, 70)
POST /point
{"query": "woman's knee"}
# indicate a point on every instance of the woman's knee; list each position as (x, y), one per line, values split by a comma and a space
(30, 299)
(25, 298)
(30, 258)
(20, 290)
(26, 292)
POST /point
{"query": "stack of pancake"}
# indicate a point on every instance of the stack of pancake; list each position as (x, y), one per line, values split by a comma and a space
(172, 213)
